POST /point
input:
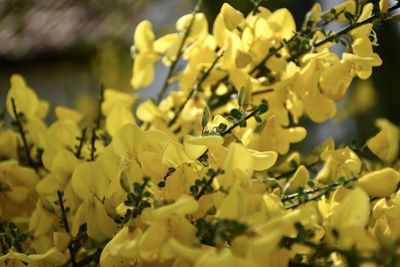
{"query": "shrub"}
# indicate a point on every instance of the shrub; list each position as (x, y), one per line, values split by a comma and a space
(205, 175)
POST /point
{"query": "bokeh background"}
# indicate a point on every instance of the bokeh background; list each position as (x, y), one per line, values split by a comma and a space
(66, 49)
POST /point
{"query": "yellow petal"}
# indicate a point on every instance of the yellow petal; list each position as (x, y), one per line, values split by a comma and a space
(113, 98)
(263, 160)
(174, 155)
(148, 111)
(118, 117)
(144, 36)
(88, 180)
(385, 144)
(297, 181)
(195, 146)
(353, 211)
(182, 206)
(64, 113)
(380, 183)
(232, 17)
(25, 98)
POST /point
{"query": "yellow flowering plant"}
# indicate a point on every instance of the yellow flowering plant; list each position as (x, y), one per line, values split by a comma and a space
(205, 175)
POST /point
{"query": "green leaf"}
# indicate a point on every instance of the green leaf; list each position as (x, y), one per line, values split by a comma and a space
(262, 108)
(222, 127)
(257, 118)
(235, 113)
(349, 16)
(194, 189)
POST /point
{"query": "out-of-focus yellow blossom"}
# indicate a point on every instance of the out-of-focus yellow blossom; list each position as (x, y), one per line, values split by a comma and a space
(123, 249)
(384, 5)
(49, 258)
(117, 109)
(27, 103)
(26, 100)
(144, 55)
(232, 17)
(363, 58)
(385, 145)
(90, 184)
(350, 217)
(318, 106)
(276, 138)
(380, 183)
(339, 163)
(386, 213)
(297, 181)
(60, 135)
(8, 143)
(17, 189)
(64, 113)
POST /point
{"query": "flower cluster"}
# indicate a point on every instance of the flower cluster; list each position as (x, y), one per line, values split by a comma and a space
(206, 176)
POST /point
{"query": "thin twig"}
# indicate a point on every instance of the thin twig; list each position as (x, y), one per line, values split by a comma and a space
(178, 55)
(82, 140)
(237, 123)
(100, 115)
(341, 32)
(209, 182)
(195, 89)
(93, 144)
(22, 133)
(322, 190)
(66, 227)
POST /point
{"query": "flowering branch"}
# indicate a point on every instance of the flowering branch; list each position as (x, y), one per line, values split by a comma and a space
(66, 227)
(342, 32)
(18, 123)
(178, 55)
(322, 191)
(196, 88)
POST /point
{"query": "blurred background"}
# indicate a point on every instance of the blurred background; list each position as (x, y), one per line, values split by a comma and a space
(66, 49)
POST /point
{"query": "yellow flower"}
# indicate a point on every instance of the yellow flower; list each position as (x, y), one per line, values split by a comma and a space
(330, 85)
(194, 147)
(51, 257)
(318, 106)
(17, 185)
(380, 183)
(144, 55)
(26, 100)
(385, 145)
(232, 17)
(350, 217)
(363, 58)
(276, 138)
(64, 113)
(339, 163)
(165, 222)
(122, 249)
(60, 135)
(297, 181)
(99, 225)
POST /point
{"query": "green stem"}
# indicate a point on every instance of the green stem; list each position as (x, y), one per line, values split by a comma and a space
(196, 88)
(343, 31)
(82, 140)
(66, 227)
(322, 190)
(93, 145)
(22, 133)
(99, 112)
(178, 55)
(237, 123)
(209, 182)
